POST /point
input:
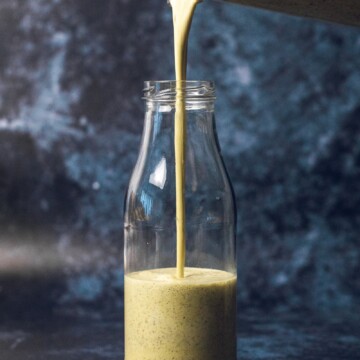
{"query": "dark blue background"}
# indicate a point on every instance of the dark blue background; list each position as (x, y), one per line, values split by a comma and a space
(71, 115)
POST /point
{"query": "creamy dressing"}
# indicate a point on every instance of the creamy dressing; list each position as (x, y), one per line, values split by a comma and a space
(193, 318)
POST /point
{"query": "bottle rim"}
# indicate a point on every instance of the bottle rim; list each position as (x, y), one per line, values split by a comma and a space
(190, 90)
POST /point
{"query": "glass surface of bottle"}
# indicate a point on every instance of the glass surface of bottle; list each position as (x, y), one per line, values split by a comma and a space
(167, 317)
(150, 216)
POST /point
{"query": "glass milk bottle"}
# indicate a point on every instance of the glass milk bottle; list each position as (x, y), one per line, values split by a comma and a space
(167, 317)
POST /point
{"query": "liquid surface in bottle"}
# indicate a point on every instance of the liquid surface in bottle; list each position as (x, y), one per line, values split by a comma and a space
(192, 318)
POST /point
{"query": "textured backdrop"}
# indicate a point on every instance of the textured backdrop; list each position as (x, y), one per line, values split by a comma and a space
(71, 115)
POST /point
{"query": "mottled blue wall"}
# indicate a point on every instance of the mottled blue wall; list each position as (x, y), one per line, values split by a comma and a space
(71, 114)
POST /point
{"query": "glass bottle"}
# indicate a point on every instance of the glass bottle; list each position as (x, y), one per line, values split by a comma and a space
(202, 317)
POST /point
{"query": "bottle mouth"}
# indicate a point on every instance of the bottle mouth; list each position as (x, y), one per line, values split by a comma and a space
(189, 90)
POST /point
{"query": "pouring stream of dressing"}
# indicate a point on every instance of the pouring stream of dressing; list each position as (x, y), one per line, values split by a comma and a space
(183, 11)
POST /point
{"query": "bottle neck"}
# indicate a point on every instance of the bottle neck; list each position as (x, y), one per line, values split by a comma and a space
(162, 105)
(159, 125)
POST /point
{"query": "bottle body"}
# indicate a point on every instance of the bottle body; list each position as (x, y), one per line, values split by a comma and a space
(193, 317)
(150, 211)
(339, 11)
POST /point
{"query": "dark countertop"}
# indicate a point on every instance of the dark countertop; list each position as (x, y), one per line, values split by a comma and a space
(260, 336)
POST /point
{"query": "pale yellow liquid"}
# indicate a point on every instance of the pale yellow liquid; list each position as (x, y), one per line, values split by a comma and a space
(183, 11)
(193, 318)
